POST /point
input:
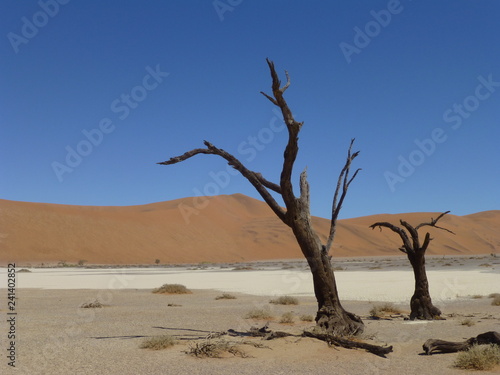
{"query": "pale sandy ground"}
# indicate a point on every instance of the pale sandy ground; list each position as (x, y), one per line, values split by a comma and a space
(55, 336)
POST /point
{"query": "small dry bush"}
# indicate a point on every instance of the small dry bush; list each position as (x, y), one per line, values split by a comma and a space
(479, 357)
(494, 295)
(496, 301)
(243, 268)
(259, 314)
(378, 311)
(287, 318)
(285, 300)
(214, 349)
(225, 296)
(158, 342)
(172, 289)
(306, 318)
(23, 270)
(91, 305)
(467, 322)
(477, 296)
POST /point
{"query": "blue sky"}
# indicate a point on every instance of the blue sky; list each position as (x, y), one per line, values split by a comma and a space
(94, 94)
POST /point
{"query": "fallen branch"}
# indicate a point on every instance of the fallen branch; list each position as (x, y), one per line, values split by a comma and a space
(268, 334)
(381, 351)
(442, 346)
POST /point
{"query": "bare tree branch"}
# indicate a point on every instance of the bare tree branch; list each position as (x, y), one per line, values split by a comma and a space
(304, 192)
(291, 149)
(398, 230)
(344, 182)
(413, 233)
(256, 179)
(427, 240)
(433, 223)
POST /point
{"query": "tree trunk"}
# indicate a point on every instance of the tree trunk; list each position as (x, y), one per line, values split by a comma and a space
(331, 317)
(421, 303)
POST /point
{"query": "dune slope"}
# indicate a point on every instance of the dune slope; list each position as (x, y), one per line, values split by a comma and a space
(230, 228)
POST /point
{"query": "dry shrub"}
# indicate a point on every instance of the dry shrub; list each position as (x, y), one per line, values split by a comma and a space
(214, 349)
(259, 314)
(494, 295)
(225, 296)
(306, 318)
(377, 311)
(172, 289)
(287, 318)
(496, 301)
(285, 300)
(23, 270)
(158, 342)
(91, 305)
(479, 357)
(467, 322)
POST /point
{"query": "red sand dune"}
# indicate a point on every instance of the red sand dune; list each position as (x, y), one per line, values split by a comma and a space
(231, 228)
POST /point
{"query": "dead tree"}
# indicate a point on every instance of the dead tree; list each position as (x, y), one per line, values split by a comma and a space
(331, 316)
(421, 303)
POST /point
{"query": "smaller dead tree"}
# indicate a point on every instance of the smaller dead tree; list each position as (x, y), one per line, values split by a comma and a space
(421, 303)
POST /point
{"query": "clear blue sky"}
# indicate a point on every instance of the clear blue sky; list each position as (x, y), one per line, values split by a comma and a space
(417, 83)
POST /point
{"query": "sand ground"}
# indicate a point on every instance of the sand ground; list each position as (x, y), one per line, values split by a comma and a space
(56, 336)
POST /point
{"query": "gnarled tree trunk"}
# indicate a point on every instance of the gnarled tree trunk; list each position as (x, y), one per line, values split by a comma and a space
(420, 303)
(331, 316)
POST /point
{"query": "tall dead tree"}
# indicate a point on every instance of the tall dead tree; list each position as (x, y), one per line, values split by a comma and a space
(331, 316)
(421, 303)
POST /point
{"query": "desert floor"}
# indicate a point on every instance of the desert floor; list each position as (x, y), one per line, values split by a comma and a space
(54, 335)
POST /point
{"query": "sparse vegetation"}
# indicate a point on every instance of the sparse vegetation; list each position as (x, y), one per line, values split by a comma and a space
(81, 262)
(259, 314)
(158, 342)
(287, 318)
(95, 304)
(243, 268)
(306, 318)
(496, 300)
(494, 295)
(157, 261)
(476, 296)
(467, 322)
(225, 296)
(214, 349)
(479, 357)
(285, 300)
(172, 289)
(23, 270)
(378, 311)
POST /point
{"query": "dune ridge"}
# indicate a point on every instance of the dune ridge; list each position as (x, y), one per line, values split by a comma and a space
(226, 228)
